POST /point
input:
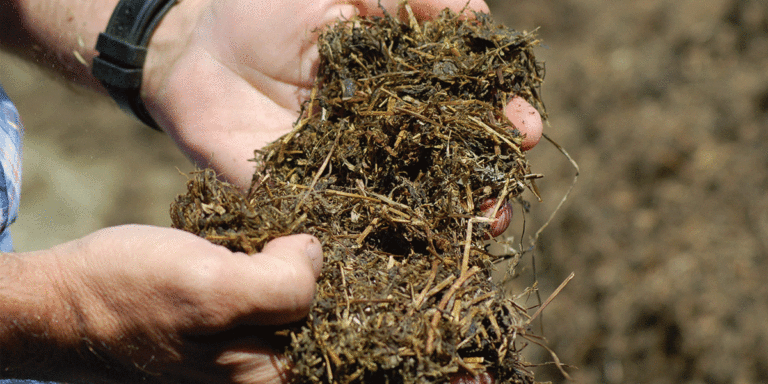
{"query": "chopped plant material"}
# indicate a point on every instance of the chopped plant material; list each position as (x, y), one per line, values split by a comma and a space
(401, 143)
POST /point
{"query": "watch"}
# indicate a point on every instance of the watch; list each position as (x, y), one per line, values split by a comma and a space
(122, 50)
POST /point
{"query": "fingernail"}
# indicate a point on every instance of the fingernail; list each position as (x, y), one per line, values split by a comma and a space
(314, 251)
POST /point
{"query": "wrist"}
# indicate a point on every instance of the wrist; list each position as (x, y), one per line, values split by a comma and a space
(166, 45)
(59, 35)
(38, 332)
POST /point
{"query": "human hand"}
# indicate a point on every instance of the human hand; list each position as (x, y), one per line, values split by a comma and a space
(162, 305)
(226, 77)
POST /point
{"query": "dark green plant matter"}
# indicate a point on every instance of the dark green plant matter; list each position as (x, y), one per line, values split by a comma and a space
(401, 140)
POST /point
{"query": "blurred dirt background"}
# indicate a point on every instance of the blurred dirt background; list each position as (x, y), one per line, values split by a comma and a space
(86, 165)
(664, 104)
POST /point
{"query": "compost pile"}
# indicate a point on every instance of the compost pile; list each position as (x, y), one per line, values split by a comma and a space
(401, 141)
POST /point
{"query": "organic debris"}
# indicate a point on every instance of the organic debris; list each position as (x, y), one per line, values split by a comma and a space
(403, 138)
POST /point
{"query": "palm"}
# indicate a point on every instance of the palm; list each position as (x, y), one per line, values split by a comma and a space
(243, 83)
(242, 76)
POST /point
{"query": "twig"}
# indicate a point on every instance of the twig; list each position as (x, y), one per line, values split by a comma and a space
(551, 353)
(440, 286)
(423, 294)
(305, 120)
(339, 193)
(367, 231)
(567, 194)
(412, 18)
(557, 209)
(344, 283)
(385, 74)
(467, 246)
(551, 297)
(489, 129)
(389, 201)
(492, 217)
(444, 302)
(418, 115)
(466, 366)
(317, 174)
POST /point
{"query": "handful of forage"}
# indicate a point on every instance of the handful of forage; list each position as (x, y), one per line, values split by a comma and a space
(402, 141)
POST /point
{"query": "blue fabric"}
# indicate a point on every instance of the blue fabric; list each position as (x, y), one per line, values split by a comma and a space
(11, 133)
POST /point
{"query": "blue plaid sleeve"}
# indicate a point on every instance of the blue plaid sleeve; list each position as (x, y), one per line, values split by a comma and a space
(11, 132)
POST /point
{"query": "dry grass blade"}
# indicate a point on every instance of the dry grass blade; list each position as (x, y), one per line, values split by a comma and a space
(551, 297)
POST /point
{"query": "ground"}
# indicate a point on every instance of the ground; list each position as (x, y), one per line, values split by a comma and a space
(665, 107)
(663, 104)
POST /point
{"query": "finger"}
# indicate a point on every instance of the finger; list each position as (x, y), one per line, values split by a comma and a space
(422, 9)
(250, 365)
(426, 9)
(526, 119)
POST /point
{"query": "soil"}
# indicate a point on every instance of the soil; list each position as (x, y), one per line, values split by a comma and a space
(663, 104)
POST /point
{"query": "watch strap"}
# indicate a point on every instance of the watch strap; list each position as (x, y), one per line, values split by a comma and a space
(123, 49)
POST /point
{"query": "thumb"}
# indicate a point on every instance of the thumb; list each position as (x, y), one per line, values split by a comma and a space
(281, 279)
(312, 250)
(224, 288)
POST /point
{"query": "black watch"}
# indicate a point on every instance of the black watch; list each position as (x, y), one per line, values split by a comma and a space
(122, 50)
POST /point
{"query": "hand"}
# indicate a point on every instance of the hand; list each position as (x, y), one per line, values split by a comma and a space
(168, 306)
(226, 77)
